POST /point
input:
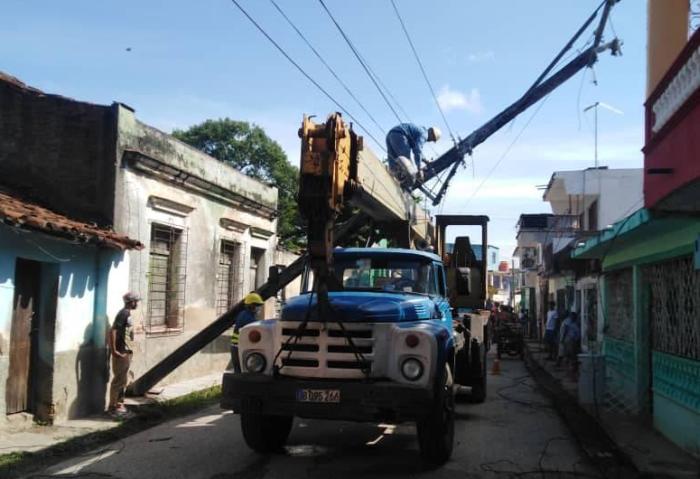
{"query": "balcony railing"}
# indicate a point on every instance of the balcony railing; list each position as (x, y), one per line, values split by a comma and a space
(675, 89)
(672, 146)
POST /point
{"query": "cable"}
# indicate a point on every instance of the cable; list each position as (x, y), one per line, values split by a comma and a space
(359, 59)
(507, 150)
(422, 69)
(578, 98)
(376, 80)
(328, 67)
(303, 72)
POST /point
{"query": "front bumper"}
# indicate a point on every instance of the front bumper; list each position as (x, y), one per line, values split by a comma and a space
(371, 400)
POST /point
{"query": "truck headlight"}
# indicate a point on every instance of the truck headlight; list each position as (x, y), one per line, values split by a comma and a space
(255, 363)
(412, 369)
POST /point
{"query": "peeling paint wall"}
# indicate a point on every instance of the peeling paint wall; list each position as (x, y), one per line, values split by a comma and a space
(144, 198)
(73, 375)
(69, 154)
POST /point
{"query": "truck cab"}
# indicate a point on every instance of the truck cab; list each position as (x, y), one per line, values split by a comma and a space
(385, 351)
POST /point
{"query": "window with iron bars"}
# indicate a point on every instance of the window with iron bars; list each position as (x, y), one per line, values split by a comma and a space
(227, 276)
(166, 279)
(590, 298)
(674, 307)
(618, 317)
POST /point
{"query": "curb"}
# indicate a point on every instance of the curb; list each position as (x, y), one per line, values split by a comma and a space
(603, 452)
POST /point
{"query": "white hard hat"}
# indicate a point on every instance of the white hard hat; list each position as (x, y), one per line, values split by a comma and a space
(434, 133)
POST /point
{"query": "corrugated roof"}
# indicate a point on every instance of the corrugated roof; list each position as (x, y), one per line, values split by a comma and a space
(23, 214)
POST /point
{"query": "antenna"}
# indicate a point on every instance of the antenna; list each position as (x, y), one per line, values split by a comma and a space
(595, 107)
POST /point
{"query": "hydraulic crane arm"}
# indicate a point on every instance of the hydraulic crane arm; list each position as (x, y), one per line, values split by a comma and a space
(453, 157)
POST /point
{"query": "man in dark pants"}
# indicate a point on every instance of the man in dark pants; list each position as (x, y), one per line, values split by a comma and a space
(407, 138)
(121, 340)
(252, 303)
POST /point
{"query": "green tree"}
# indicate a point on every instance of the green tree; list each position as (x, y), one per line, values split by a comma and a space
(247, 148)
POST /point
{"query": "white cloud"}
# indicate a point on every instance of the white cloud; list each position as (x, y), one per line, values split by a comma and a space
(456, 100)
(483, 56)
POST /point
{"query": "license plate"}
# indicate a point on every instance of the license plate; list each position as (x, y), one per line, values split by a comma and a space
(318, 395)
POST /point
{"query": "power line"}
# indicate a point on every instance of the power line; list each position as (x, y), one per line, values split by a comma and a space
(393, 98)
(507, 150)
(359, 59)
(422, 69)
(303, 72)
(330, 69)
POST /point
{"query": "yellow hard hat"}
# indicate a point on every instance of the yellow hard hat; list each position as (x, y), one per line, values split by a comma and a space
(253, 298)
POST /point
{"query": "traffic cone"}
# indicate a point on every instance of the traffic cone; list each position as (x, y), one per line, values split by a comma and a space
(496, 367)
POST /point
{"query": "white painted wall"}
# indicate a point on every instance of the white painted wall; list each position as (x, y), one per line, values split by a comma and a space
(619, 192)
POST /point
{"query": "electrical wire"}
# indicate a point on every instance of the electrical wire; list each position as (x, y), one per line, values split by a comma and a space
(393, 98)
(422, 69)
(376, 80)
(303, 72)
(359, 59)
(507, 150)
(328, 67)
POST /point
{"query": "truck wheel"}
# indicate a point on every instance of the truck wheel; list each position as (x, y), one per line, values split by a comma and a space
(265, 433)
(436, 431)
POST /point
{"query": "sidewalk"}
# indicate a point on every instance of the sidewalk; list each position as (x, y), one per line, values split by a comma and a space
(644, 448)
(22, 435)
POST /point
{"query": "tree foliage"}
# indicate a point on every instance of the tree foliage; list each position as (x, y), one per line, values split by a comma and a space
(247, 148)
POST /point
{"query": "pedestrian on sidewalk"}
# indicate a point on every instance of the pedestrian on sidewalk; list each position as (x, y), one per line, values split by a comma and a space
(251, 305)
(550, 328)
(121, 340)
(570, 338)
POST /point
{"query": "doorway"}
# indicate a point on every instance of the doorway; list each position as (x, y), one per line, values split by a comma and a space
(28, 387)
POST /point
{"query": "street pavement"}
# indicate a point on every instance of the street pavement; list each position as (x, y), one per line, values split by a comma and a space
(515, 433)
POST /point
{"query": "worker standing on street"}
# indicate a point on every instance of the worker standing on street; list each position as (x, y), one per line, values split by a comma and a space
(406, 138)
(121, 340)
(251, 305)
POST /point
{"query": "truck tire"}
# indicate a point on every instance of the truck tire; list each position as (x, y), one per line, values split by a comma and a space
(265, 433)
(436, 431)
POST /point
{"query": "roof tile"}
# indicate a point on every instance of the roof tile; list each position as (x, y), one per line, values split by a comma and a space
(21, 213)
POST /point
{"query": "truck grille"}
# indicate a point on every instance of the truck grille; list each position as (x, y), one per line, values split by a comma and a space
(323, 351)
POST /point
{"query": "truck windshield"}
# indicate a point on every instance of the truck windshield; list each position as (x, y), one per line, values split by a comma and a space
(386, 274)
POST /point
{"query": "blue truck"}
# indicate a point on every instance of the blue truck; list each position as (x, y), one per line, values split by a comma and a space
(388, 350)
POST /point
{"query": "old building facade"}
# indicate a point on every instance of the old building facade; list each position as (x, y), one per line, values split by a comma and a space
(209, 231)
(651, 257)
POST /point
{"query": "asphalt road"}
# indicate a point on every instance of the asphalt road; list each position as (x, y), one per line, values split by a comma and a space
(515, 433)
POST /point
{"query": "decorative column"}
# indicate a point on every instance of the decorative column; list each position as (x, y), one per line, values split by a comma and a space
(667, 34)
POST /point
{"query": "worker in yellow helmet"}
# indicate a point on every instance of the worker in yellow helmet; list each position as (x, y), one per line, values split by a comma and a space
(251, 305)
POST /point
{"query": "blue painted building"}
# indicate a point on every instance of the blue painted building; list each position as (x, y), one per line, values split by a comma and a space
(649, 259)
(61, 281)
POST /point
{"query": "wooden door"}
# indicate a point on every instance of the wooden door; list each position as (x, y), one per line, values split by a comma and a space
(26, 298)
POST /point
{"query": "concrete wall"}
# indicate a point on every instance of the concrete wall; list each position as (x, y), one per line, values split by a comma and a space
(71, 155)
(73, 357)
(143, 198)
(58, 151)
(618, 192)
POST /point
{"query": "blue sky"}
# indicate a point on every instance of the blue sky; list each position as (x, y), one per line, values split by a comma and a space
(190, 61)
